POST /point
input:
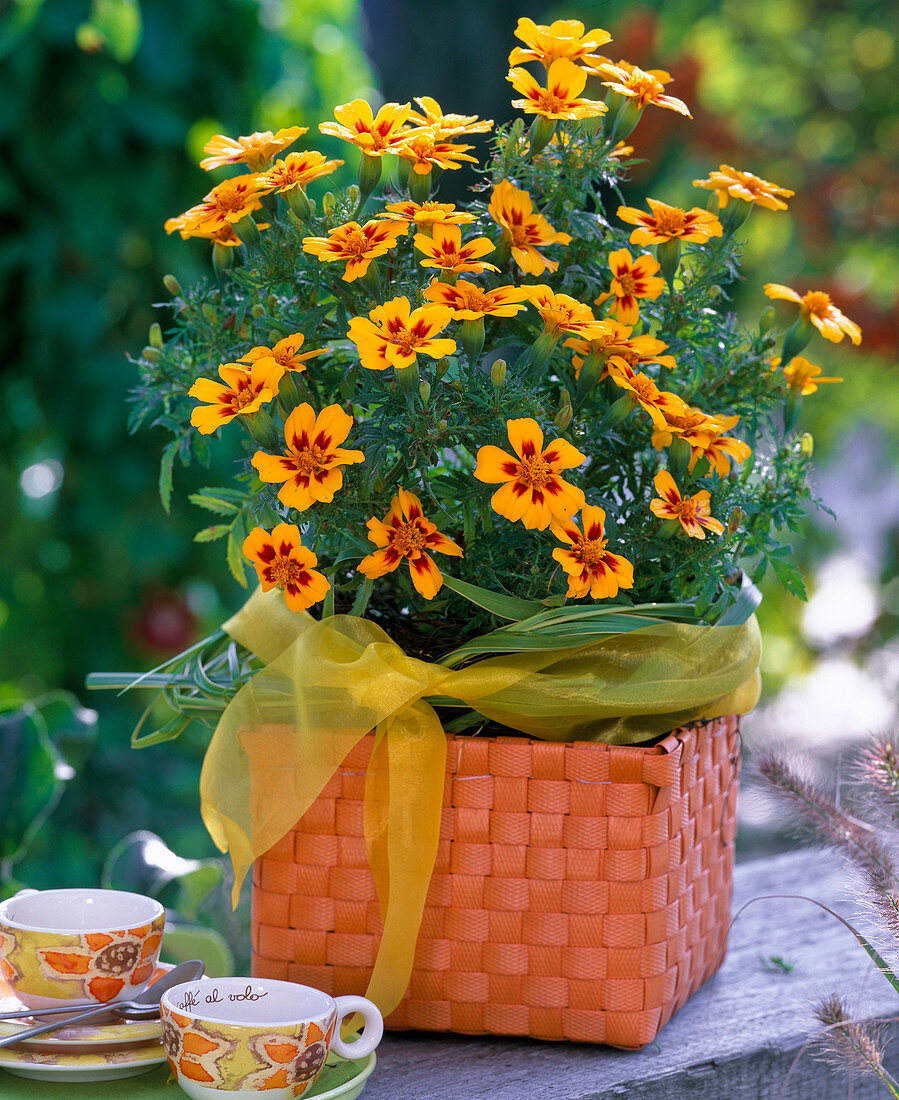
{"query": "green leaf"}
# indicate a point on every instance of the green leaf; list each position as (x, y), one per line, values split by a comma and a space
(193, 941)
(506, 607)
(210, 534)
(166, 479)
(236, 559)
(213, 504)
(789, 576)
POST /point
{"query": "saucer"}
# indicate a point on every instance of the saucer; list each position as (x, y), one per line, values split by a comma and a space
(80, 1038)
(106, 1066)
(342, 1081)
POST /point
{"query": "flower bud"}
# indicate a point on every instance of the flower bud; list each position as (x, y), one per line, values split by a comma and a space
(424, 392)
(152, 355)
(766, 319)
(714, 291)
(498, 373)
(563, 417)
(156, 335)
(442, 425)
(807, 444)
(328, 203)
(258, 311)
(734, 521)
(172, 285)
(443, 366)
(353, 193)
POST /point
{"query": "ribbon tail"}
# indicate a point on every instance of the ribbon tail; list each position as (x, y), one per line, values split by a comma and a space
(416, 754)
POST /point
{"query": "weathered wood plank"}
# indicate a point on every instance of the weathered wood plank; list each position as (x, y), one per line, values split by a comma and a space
(736, 1040)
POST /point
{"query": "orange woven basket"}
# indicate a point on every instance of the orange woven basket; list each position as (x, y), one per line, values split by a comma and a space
(581, 891)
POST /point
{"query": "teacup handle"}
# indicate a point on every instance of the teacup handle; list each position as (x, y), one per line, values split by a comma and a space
(371, 1032)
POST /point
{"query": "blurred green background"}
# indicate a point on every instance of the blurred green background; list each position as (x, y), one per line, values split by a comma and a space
(104, 108)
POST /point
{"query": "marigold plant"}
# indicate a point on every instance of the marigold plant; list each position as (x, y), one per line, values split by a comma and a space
(539, 365)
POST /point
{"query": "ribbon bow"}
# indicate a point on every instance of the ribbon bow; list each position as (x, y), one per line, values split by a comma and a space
(326, 684)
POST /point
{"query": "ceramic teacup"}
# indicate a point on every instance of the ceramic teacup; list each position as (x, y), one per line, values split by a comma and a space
(250, 1035)
(78, 945)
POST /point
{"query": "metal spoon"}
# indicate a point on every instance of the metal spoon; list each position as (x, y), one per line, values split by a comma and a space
(145, 1005)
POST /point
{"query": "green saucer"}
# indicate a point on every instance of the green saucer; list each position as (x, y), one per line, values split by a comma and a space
(343, 1080)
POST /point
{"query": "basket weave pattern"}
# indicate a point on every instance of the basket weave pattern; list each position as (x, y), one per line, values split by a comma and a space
(581, 891)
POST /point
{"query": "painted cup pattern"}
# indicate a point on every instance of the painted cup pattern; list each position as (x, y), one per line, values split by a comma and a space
(248, 1035)
(229, 1057)
(41, 962)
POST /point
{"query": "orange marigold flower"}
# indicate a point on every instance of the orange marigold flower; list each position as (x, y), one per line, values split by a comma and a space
(286, 352)
(622, 150)
(405, 532)
(532, 490)
(612, 343)
(310, 468)
(298, 170)
(282, 561)
(642, 85)
(225, 204)
(427, 149)
(705, 434)
(256, 150)
(468, 302)
(592, 569)
(560, 98)
(563, 38)
(692, 513)
(373, 134)
(660, 404)
(356, 244)
(445, 250)
(426, 215)
(631, 280)
(560, 312)
(802, 375)
(432, 116)
(223, 234)
(245, 391)
(728, 182)
(668, 223)
(393, 334)
(816, 306)
(525, 231)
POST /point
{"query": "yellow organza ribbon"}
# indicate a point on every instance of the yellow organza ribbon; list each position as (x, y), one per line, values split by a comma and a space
(326, 684)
